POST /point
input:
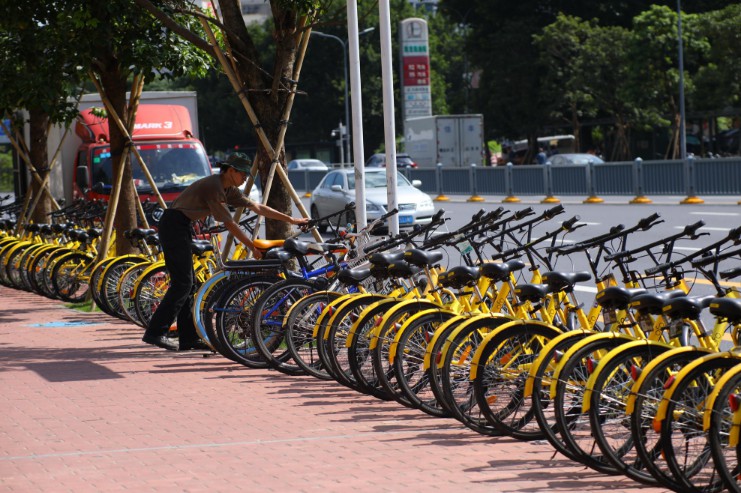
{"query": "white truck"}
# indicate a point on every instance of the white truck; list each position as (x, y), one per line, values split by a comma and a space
(456, 141)
(68, 172)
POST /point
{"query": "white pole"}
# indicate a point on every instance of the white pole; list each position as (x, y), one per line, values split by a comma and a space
(682, 131)
(387, 76)
(361, 217)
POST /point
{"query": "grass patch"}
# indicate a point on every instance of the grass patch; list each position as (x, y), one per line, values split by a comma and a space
(83, 306)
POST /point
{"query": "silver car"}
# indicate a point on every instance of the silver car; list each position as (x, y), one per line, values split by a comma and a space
(569, 159)
(337, 189)
(310, 164)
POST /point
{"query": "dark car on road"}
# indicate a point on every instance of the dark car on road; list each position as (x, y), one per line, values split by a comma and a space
(379, 161)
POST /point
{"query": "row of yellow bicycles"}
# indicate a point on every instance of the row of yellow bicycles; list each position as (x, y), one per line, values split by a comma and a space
(634, 385)
(480, 325)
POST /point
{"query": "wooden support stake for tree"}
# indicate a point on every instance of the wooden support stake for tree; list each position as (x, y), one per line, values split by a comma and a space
(116, 191)
(22, 151)
(275, 152)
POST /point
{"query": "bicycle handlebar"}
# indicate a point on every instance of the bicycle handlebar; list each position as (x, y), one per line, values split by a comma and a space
(523, 213)
(314, 222)
(401, 238)
(648, 222)
(690, 230)
(568, 225)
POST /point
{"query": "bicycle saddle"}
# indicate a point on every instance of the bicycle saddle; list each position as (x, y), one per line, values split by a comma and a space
(531, 292)
(499, 271)
(686, 307)
(729, 308)
(385, 258)
(199, 247)
(267, 244)
(402, 269)
(353, 277)
(564, 281)
(459, 277)
(654, 302)
(420, 258)
(616, 297)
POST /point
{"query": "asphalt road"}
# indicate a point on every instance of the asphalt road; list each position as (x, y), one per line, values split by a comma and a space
(719, 216)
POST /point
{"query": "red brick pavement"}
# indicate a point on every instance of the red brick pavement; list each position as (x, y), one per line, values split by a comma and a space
(87, 407)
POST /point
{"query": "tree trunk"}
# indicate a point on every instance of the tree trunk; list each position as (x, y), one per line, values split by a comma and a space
(268, 97)
(576, 128)
(39, 132)
(113, 81)
(279, 198)
(622, 147)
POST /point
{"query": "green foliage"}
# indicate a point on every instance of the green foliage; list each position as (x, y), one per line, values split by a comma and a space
(563, 55)
(718, 80)
(37, 68)
(6, 169)
(653, 63)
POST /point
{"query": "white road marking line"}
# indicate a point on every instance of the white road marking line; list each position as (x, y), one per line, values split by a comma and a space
(706, 228)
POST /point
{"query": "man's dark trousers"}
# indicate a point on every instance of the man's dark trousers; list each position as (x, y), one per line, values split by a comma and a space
(175, 239)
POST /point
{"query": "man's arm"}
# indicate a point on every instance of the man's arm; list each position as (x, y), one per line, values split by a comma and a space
(269, 212)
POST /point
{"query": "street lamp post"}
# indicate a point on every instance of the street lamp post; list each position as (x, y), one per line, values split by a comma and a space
(682, 134)
(343, 42)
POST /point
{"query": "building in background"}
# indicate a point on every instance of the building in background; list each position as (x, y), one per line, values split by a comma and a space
(255, 11)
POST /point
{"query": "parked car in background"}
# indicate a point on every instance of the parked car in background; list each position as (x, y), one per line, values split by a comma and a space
(568, 159)
(310, 164)
(337, 189)
(379, 161)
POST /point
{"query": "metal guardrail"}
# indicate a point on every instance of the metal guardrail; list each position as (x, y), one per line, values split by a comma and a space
(690, 177)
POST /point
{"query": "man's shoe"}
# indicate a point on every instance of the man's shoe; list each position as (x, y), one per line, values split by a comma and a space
(161, 341)
(195, 346)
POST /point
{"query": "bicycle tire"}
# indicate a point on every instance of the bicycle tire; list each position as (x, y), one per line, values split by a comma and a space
(455, 384)
(126, 288)
(572, 423)
(540, 379)
(24, 263)
(5, 252)
(69, 277)
(151, 286)
(299, 332)
(96, 274)
(233, 319)
(110, 278)
(339, 331)
(268, 317)
(505, 360)
(382, 339)
(648, 391)
(359, 359)
(683, 440)
(610, 389)
(725, 455)
(45, 268)
(409, 358)
(12, 264)
(433, 358)
(36, 269)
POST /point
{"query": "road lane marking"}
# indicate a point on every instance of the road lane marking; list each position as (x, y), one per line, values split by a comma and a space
(715, 213)
(705, 228)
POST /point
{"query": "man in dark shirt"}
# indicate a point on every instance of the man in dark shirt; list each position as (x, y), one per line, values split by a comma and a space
(207, 196)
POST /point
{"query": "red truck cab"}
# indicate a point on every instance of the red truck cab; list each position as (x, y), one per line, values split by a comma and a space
(163, 137)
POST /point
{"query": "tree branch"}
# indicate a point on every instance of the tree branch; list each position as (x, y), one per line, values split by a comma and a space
(183, 32)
